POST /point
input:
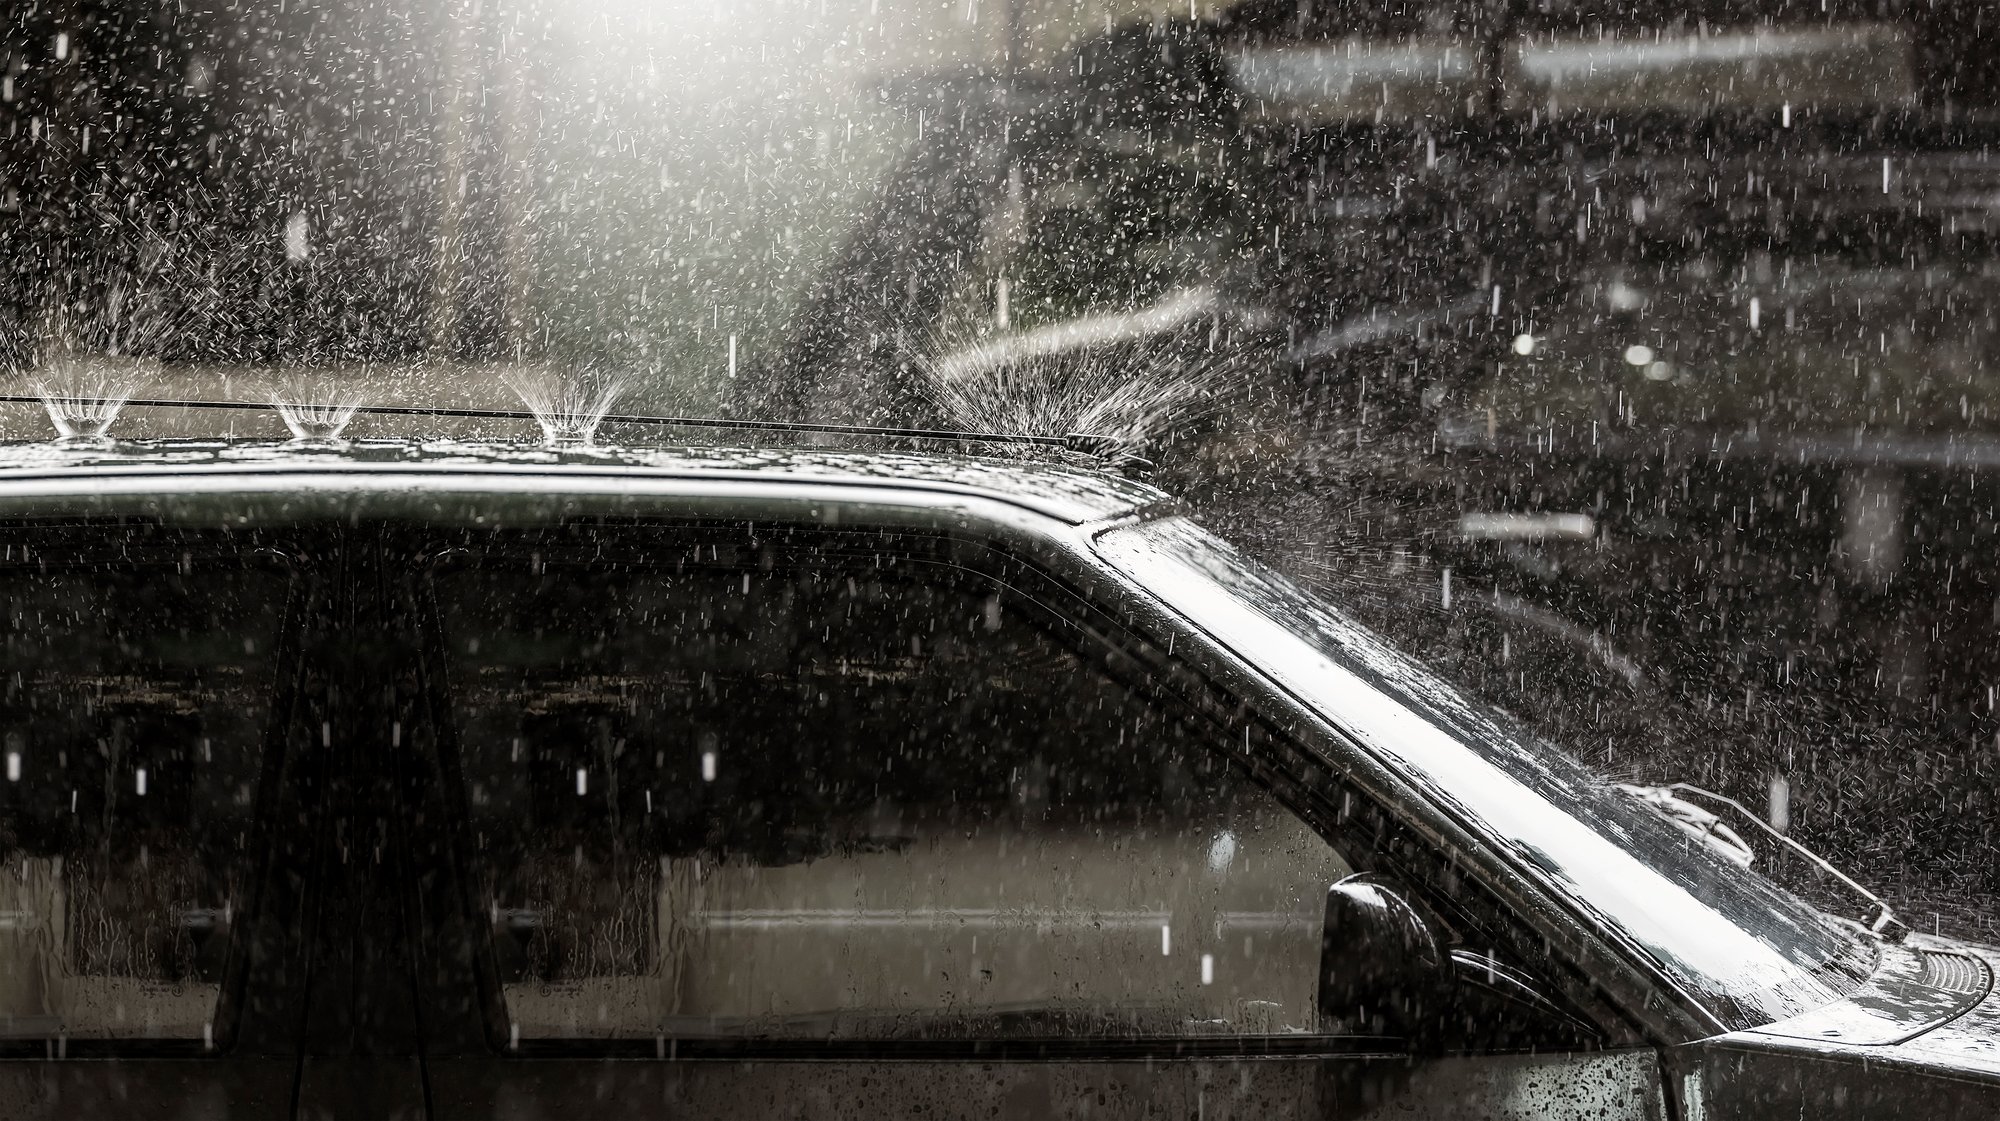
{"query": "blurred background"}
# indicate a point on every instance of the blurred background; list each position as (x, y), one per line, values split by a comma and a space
(1632, 360)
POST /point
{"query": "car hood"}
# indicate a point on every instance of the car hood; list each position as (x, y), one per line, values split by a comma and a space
(1970, 1040)
(1931, 1004)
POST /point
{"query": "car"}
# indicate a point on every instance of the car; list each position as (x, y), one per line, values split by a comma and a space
(419, 779)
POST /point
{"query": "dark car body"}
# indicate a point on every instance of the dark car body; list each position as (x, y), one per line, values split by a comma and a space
(438, 780)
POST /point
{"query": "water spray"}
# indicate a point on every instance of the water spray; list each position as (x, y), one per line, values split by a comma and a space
(85, 395)
(570, 408)
(1129, 380)
(315, 423)
(315, 412)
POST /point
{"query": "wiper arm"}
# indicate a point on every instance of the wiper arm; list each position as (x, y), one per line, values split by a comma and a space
(1884, 924)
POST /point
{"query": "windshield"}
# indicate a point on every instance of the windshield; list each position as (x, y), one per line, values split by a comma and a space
(1744, 948)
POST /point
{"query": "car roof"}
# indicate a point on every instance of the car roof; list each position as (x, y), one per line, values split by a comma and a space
(1067, 491)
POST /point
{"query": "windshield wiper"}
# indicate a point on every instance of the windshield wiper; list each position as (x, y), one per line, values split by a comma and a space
(1709, 828)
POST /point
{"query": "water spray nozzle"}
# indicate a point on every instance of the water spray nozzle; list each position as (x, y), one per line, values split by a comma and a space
(84, 417)
(1115, 451)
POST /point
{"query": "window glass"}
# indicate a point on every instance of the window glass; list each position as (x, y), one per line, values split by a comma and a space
(855, 802)
(1751, 951)
(132, 708)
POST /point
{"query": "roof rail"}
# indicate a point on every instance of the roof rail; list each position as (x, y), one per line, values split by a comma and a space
(1104, 447)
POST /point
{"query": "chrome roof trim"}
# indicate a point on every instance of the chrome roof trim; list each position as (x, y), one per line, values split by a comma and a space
(1069, 493)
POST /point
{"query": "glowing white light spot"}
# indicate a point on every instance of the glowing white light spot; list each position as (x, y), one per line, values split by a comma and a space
(1524, 345)
(708, 766)
(1623, 297)
(13, 766)
(1208, 969)
(296, 246)
(1166, 940)
(1639, 354)
(140, 780)
(1756, 313)
(582, 780)
(1659, 371)
(1221, 852)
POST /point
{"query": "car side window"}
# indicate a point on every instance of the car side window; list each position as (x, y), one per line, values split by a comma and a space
(854, 799)
(133, 709)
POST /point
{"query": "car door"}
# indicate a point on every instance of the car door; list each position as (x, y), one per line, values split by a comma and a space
(795, 822)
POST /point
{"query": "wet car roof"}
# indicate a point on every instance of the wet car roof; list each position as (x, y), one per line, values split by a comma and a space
(1071, 493)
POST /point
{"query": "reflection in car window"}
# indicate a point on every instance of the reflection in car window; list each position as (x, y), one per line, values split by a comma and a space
(854, 803)
(1748, 950)
(133, 707)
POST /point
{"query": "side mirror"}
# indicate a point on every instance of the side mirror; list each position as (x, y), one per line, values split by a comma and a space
(1381, 967)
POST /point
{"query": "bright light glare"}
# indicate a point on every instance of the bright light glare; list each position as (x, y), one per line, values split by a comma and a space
(1221, 852)
(1524, 345)
(1639, 354)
